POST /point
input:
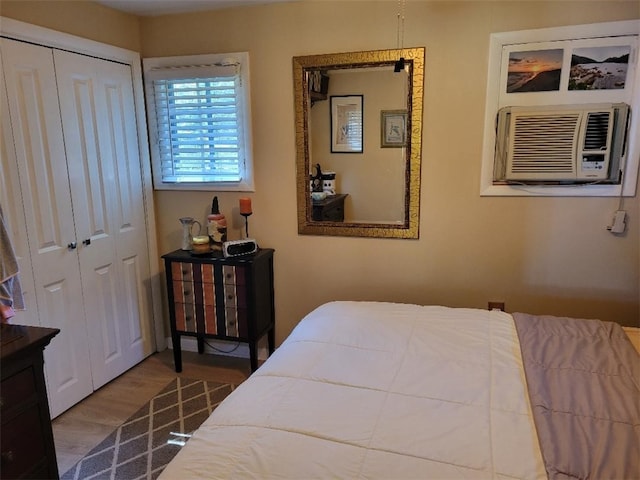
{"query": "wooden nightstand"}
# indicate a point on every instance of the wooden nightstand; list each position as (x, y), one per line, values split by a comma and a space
(331, 209)
(28, 450)
(222, 298)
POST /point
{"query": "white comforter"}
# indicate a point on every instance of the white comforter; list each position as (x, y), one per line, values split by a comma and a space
(377, 390)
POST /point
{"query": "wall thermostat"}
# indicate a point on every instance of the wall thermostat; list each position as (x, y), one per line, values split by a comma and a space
(234, 248)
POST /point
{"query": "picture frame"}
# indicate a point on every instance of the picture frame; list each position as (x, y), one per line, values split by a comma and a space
(393, 128)
(346, 123)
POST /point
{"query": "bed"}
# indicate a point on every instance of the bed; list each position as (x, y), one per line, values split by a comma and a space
(383, 390)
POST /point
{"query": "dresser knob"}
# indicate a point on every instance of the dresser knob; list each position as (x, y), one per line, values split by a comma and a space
(7, 457)
(188, 318)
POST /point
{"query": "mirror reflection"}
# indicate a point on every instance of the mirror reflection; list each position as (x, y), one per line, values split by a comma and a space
(358, 138)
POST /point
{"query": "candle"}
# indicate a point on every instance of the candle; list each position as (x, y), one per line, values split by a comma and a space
(201, 244)
(245, 206)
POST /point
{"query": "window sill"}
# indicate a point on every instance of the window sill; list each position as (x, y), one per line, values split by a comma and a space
(207, 187)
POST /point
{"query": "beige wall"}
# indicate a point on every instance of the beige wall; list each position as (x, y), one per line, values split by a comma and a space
(540, 255)
(78, 17)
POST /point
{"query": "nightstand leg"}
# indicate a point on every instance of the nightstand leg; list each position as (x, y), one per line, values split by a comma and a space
(177, 352)
(271, 340)
(200, 344)
(253, 356)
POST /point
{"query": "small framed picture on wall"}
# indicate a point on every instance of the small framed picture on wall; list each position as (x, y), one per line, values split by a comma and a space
(346, 123)
(393, 128)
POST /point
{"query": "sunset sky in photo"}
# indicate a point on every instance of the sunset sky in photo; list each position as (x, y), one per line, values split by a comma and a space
(535, 61)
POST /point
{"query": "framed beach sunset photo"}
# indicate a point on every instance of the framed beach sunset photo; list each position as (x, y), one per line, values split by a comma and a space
(534, 71)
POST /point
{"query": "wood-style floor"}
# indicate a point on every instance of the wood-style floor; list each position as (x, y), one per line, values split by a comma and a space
(86, 424)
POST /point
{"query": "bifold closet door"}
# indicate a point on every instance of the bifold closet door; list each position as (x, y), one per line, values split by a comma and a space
(44, 193)
(96, 102)
(73, 125)
(13, 212)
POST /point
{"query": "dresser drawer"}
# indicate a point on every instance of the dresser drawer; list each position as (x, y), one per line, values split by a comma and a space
(233, 275)
(235, 297)
(236, 322)
(23, 447)
(17, 389)
(193, 292)
(195, 318)
(192, 272)
(185, 317)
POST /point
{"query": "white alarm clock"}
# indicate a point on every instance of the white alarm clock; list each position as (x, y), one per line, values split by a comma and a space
(235, 248)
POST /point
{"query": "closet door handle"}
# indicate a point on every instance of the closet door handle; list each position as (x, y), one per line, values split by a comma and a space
(72, 246)
(86, 242)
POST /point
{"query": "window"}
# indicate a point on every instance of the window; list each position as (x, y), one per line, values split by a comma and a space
(199, 122)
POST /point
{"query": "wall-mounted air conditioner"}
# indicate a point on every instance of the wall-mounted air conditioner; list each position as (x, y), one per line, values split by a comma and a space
(560, 143)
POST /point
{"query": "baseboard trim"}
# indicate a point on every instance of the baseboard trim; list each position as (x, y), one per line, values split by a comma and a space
(219, 347)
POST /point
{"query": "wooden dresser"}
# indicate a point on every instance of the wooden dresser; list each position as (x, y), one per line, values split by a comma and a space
(331, 209)
(27, 449)
(222, 298)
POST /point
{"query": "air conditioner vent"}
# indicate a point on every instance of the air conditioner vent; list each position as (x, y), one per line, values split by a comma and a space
(597, 128)
(543, 144)
(560, 143)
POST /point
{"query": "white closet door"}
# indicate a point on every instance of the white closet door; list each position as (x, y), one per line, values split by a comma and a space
(14, 214)
(96, 99)
(39, 148)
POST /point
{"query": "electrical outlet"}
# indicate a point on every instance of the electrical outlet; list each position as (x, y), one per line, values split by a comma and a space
(495, 306)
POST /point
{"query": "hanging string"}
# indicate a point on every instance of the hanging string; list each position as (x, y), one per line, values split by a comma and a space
(400, 25)
(399, 65)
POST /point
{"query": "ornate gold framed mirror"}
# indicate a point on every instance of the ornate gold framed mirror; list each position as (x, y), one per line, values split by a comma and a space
(359, 136)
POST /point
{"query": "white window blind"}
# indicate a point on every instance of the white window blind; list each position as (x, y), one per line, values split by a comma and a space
(353, 129)
(198, 125)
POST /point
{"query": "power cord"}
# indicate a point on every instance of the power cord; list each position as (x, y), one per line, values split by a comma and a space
(219, 350)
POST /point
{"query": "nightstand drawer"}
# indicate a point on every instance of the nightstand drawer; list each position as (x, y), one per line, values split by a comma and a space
(192, 272)
(190, 292)
(17, 389)
(195, 318)
(235, 297)
(233, 275)
(183, 291)
(182, 271)
(186, 317)
(236, 322)
(22, 445)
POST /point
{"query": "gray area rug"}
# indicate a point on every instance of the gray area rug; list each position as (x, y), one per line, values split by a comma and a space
(143, 445)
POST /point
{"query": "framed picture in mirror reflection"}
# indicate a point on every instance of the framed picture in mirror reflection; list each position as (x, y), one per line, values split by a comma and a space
(393, 128)
(346, 123)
